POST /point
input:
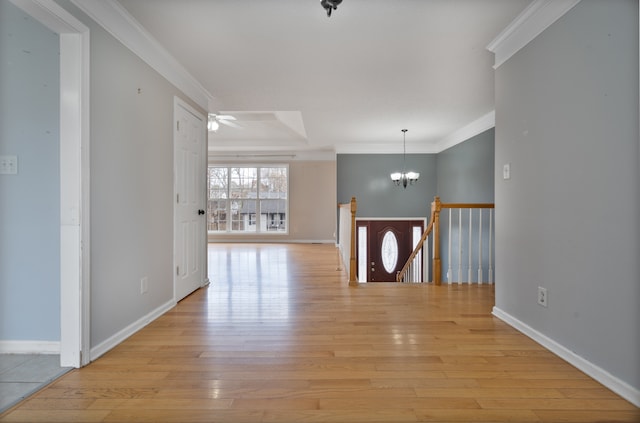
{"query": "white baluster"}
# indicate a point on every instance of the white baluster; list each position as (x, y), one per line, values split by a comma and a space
(479, 246)
(433, 246)
(470, 232)
(449, 269)
(459, 245)
(490, 245)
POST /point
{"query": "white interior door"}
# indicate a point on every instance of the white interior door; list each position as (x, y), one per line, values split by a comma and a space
(189, 196)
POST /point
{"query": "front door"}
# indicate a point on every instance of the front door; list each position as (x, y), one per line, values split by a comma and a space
(390, 243)
(190, 235)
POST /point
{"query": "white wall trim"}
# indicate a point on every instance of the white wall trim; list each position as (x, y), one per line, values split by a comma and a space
(134, 327)
(385, 148)
(474, 128)
(267, 157)
(74, 176)
(468, 131)
(618, 386)
(125, 28)
(222, 239)
(29, 347)
(537, 17)
(51, 15)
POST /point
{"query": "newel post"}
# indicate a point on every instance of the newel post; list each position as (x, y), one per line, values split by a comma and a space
(437, 265)
(352, 258)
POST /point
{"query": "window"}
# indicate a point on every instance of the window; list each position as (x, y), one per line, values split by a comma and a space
(248, 199)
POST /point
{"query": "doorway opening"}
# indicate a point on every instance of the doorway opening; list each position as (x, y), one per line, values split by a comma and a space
(384, 246)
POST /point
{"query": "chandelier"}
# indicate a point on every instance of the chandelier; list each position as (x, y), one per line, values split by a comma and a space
(404, 178)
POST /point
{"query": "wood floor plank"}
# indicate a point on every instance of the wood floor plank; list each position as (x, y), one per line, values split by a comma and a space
(183, 416)
(162, 404)
(279, 336)
(340, 416)
(555, 404)
(55, 416)
(471, 415)
(581, 416)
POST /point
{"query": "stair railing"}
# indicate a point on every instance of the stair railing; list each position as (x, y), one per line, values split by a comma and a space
(407, 272)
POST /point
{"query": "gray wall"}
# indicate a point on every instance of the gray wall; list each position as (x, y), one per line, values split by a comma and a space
(465, 175)
(568, 219)
(465, 171)
(462, 173)
(29, 201)
(131, 185)
(366, 177)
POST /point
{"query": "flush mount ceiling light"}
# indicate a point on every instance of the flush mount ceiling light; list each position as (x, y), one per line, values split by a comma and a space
(330, 5)
(404, 178)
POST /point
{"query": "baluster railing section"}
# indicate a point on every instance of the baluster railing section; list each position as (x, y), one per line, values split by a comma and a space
(474, 257)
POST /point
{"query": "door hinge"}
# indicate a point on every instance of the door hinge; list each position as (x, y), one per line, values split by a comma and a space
(177, 270)
(177, 198)
(178, 125)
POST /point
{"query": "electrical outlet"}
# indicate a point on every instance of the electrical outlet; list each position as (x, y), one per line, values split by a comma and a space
(144, 285)
(542, 296)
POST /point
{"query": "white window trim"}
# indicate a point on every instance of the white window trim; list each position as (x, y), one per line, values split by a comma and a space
(258, 233)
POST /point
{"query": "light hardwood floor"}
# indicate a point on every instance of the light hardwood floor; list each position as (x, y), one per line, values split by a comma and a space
(278, 336)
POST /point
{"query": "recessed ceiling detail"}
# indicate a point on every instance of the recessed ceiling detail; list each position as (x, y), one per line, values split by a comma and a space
(259, 130)
(375, 66)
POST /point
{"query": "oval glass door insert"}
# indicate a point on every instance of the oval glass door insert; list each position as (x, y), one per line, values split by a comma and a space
(389, 251)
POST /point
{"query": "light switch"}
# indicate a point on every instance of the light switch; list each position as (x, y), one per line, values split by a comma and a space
(8, 165)
(506, 171)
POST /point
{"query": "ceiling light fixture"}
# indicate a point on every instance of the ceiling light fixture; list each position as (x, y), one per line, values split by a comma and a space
(404, 178)
(212, 123)
(330, 5)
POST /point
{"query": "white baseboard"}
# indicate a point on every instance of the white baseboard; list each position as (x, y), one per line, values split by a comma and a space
(618, 386)
(114, 340)
(29, 347)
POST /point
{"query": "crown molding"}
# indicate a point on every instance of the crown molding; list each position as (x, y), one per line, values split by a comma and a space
(115, 19)
(51, 15)
(386, 148)
(271, 156)
(537, 17)
(474, 128)
(468, 131)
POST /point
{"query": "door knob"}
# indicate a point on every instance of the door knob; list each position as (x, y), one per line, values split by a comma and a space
(200, 211)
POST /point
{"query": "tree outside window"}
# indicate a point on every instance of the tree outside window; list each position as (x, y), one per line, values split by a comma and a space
(248, 199)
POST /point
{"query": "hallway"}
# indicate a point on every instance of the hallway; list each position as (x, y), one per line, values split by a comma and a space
(278, 336)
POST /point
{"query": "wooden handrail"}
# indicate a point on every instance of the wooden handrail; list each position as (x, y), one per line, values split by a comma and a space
(467, 205)
(433, 222)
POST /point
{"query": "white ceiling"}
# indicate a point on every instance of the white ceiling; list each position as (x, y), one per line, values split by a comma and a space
(345, 84)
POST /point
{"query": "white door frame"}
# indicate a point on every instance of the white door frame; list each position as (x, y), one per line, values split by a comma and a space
(74, 178)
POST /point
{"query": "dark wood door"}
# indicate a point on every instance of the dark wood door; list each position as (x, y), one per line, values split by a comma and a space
(388, 248)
